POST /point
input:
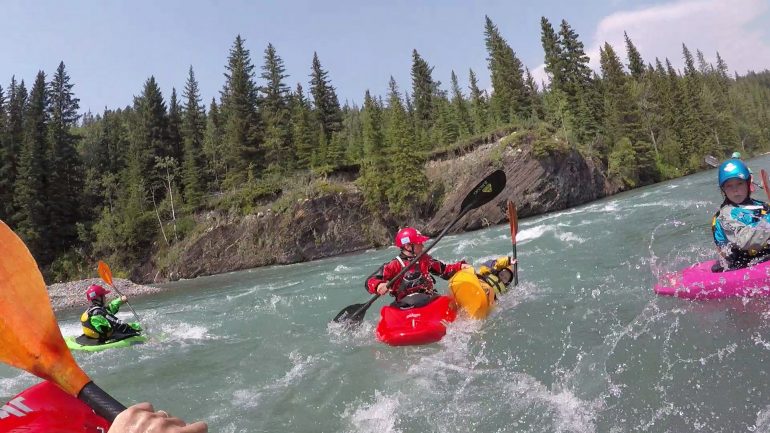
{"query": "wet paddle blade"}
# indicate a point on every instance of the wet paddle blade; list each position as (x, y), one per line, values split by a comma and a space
(485, 191)
(30, 338)
(513, 220)
(348, 314)
(105, 272)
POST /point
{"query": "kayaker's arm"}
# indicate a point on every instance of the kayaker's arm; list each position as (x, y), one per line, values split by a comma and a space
(445, 271)
(114, 306)
(382, 275)
(101, 324)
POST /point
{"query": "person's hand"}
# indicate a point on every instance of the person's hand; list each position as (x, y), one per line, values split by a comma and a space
(124, 298)
(382, 288)
(142, 418)
(135, 326)
(466, 266)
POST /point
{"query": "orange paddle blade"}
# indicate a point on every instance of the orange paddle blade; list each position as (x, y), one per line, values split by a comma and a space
(105, 273)
(513, 220)
(30, 338)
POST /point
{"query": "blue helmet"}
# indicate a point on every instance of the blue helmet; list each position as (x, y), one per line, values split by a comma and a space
(733, 169)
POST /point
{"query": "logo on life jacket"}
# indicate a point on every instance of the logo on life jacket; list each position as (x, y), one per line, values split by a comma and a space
(15, 407)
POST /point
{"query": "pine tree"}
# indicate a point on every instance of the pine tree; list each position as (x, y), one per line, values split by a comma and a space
(240, 119)
(30, 218)
(174, 137)
(374, 179)
(460, 110)
(6, 182)
(423, 88)
(533, 95)
(275, 113)
(63, 164)
(149, 136)
(508, 98)
(327, 106)
(635, 62)
(577, 80)
(14, 137)
(553, 54)
(193, 135)
(478, 104)
(302, 129)
(214, 147)
(408, 186)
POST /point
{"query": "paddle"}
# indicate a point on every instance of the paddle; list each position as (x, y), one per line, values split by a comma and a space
(106, 273)
(481, 194)
(513, 220)
(714, 162)
(763, 176)
(30, 338)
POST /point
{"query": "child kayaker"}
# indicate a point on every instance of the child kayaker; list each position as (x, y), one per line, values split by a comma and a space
(418, 278)
(496, 275)
(741, 226)
(99, 321)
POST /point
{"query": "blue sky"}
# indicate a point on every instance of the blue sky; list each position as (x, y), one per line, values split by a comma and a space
(111, 47)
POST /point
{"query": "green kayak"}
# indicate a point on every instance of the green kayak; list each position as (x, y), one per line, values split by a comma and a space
(89, 344)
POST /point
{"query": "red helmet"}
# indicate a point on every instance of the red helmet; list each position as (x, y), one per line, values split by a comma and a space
(408, 235)
(95, 291)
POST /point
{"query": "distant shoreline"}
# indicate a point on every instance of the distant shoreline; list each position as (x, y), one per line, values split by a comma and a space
(71, 295)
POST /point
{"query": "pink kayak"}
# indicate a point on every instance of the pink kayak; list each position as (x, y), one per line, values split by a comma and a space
(699, 282)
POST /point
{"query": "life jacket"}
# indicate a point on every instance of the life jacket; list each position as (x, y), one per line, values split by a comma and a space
(88, 329)
(414, 280)
(494, 283)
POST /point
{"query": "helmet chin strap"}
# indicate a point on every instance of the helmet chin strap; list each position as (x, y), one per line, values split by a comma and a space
(409, 248)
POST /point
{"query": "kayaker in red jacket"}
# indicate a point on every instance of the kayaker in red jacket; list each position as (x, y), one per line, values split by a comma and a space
(418, 278)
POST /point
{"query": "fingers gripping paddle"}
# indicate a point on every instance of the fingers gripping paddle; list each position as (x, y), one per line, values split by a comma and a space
(106, 274)
(513, 220)
(481, 194)
(30, 338)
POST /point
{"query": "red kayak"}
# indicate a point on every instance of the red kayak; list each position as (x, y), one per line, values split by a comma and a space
(45, 408)
(423, 323)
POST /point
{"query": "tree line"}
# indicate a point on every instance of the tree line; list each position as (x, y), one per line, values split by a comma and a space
(113, 184)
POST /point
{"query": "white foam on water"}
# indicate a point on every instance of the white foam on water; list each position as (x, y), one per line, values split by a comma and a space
(351, 335)
(342, 268)
(762, 424)
(301, 365)
(246, 398)
(570, 413)
(10, 386)
(569, 237)
(187, 332)
(378, 416)
(467, 244)
(533, 233)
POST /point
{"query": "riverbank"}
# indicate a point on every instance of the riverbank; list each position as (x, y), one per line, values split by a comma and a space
(71, 295)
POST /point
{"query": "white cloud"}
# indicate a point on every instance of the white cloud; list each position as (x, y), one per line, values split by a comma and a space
(731, 27)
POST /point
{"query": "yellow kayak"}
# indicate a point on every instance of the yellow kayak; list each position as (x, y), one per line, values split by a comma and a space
(471, 294)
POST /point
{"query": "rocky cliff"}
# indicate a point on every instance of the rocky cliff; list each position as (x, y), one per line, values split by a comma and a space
(338, 222)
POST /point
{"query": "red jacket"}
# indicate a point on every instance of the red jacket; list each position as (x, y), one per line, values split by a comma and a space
(418, 279)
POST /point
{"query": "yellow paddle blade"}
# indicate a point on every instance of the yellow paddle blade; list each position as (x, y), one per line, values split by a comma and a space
(105, 273)
(30, 338)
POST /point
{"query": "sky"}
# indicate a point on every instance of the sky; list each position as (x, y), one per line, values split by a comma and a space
(111, 47)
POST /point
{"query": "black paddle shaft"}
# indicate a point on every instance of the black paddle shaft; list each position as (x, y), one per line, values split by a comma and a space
(102, 403)
(484, 192)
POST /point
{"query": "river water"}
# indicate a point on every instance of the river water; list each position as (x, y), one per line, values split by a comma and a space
(581, 345)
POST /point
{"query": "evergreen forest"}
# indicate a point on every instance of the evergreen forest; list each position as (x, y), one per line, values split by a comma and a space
(124, 183)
